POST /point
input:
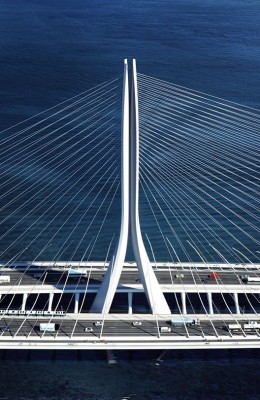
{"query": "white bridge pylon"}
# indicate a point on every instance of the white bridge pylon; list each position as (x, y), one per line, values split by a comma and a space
(130, 212)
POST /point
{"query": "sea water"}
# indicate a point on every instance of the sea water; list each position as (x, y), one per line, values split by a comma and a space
(54, 49)
(175, 375)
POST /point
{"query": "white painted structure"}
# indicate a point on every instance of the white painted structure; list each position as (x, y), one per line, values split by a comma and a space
(104, 298)
(130, 213)
(152, 289)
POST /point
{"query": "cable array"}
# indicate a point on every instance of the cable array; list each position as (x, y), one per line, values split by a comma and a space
(200, 158)
(53, 169)
(59, 179)
(199, 184)
(199, 188)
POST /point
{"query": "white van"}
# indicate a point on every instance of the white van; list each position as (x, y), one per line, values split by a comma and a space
(165, 329)
(5, 279)
(251, 326)
(234, 327)
(49, 327)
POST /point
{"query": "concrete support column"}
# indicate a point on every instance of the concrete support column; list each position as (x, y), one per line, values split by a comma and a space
(107, 290)
(235, 295)
(183, 301)
(25, 296)
(76, 306)
(130, 302)
(209, 297)
(50, 301)
(153, 291)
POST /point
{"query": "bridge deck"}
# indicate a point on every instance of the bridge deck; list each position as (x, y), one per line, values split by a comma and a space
(117, 330)
(119, 333)
(170, 278)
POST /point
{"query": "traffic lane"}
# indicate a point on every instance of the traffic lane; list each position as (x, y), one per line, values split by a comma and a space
(20, 327)
(125, 328)
(65, 327)
(200, 278)
(115, 328)
(127, 277)
(20, 278)
(30, 327)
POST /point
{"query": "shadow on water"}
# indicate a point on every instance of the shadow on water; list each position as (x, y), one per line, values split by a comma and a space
(131, 375)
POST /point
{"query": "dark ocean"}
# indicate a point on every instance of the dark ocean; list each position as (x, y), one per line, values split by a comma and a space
(52, 50)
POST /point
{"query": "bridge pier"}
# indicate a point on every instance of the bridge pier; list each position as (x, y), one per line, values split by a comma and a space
(130, 302)
(76, 304)
(25, 296)
(150, 283)
(235, 296)
(183, 301)
(50, 301)
(209, 297)
(105, 295)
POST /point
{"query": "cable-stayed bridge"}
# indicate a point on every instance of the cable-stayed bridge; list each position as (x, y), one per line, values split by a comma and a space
(129, 219)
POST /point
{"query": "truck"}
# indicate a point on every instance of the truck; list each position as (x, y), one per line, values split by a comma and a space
(253, 280)
(74, 273)
(184, 321)
(47, 327)
(250, 280)
(251, 326)
(233, 327)
(5, 279)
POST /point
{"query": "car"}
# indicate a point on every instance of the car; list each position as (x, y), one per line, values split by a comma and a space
(165, 329)
(4, 329)
(213, 275)
(179, 276)
(98, 323)
(136, 323)
(88, 329)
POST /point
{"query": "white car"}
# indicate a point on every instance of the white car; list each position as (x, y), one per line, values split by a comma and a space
(179, 276)
(88, 329)
(98, 323)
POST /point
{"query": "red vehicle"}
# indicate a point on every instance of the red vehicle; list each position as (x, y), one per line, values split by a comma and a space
(214, 275)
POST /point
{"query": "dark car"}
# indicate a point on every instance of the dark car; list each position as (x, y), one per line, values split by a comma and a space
(4, 329)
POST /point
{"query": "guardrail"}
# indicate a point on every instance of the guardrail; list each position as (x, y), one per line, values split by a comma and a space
(33, 313)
